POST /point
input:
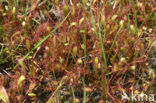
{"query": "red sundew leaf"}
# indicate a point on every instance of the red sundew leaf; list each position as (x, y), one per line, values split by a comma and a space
(33, 8)
(34, 5)
(31, 86)
(36, 14)
(121, 89)
(140, 60)
(150, 45)
(115, 68)
(41, 28)
(23, 1)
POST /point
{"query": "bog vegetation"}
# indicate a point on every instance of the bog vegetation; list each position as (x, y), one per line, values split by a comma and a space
(75, 51)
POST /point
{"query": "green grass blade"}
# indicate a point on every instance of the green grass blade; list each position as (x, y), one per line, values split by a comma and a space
(92, 18)
(84, 91)
(116, 36)
(148, 16)
(85, 52)
(135, 16)
(43, 39)
(103, 52)
(73, 94)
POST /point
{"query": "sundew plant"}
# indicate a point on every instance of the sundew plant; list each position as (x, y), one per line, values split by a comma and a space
(77, 51)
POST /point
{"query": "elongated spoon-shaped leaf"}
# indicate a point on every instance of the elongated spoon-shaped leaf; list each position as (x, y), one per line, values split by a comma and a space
(3, 95)
(52, 99)
(46, 37)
